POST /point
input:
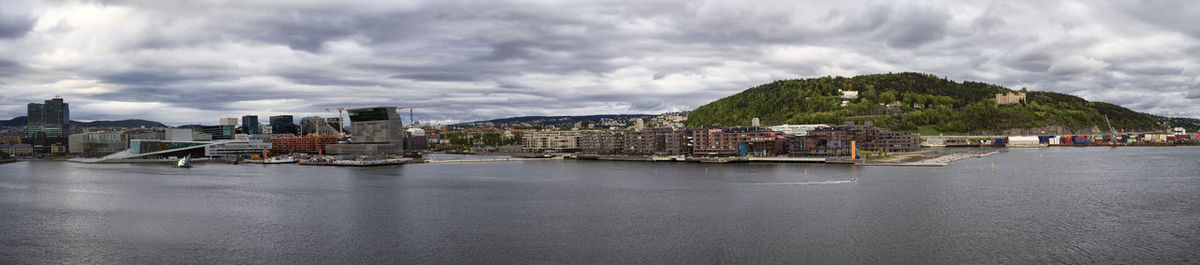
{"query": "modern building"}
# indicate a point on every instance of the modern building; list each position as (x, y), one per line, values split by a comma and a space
(836, 140)
(164, 149)
(97, 144)
(179, 134)
(283, 124)
(416, 139)
(310, 124)
(250, 125)
(220, 132)
(657, 141)
(335, 123)
(231, 122)
(602, 142)
(796, 129)
(233, 149)
(557, 141)
(144, 135)
(728, 141)
(48, 122)
(17, 149)
(376, 130)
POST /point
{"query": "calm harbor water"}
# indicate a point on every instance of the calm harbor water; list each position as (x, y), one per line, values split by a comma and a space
(1053, 205)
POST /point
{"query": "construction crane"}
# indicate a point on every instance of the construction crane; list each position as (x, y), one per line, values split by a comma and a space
(341, 120)
(411, 121)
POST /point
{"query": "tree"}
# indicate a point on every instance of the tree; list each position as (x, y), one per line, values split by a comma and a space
(887, 97)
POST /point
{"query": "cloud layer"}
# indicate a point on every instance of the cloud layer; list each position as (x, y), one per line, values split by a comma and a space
(188, 62)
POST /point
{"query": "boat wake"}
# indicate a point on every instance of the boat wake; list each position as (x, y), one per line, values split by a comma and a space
(809, 182)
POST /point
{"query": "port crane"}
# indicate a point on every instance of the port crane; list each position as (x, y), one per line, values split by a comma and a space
(411, 121)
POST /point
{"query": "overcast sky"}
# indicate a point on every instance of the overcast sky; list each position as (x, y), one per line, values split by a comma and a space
(185, 62)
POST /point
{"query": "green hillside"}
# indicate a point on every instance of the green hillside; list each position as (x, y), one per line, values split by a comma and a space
(928, 104)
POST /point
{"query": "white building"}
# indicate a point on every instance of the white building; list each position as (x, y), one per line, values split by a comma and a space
(232, 122)
(796, 129)
(179, 134)
(846, 94)
(754, 122)
(1179, 130)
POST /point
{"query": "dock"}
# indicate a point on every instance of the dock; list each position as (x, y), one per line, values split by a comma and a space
(788, 159)
(514, 159)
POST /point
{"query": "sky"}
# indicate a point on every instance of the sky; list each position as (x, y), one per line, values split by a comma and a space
(192, 62)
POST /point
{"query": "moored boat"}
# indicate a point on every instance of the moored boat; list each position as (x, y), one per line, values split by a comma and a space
(355, 163)
(185, 162)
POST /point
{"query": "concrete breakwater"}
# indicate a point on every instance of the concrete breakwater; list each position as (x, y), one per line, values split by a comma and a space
(939, 161)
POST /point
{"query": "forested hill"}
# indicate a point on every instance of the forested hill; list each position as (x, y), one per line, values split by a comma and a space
(915, 102)
(21, 121)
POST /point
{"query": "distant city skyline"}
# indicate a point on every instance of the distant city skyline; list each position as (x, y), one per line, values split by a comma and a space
(193, 62)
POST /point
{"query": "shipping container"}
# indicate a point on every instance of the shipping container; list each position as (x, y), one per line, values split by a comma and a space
(1044, 139)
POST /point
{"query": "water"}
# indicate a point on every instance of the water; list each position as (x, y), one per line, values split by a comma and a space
(1056, 205)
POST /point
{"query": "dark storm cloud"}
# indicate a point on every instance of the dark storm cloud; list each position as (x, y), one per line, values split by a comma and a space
(14, 26)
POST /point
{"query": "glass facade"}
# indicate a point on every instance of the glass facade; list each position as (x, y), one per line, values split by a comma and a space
(218, 132)
(283, 124)
(49, 119)
(250, 124)
(142, 147)
(369, 114)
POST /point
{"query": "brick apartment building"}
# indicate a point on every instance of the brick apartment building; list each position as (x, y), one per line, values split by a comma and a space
(311, 144)
(835, 140)
(727, 141)
(657, 141)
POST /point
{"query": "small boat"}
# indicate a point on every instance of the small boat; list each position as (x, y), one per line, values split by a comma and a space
(185, 162)
(281, 160)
